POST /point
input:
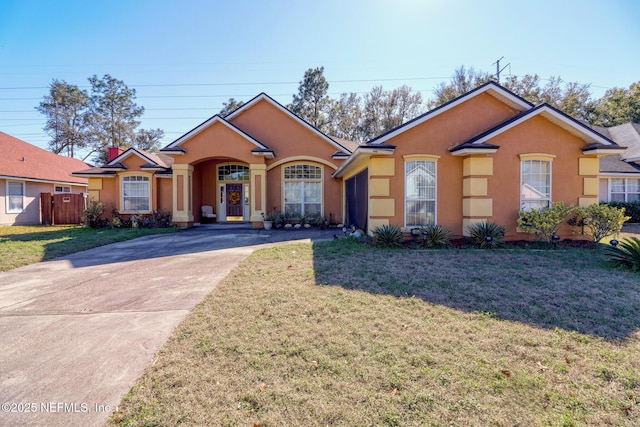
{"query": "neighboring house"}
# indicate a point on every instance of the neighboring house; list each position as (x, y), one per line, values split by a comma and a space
(25, 172)
(620, 174)
(481, 157)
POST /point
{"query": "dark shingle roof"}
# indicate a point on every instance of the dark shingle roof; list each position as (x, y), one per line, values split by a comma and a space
(614, 164)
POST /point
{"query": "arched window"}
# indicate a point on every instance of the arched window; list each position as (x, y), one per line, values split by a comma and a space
(303, 190)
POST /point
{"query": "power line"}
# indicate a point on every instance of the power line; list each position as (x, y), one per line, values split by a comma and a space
(242, 84)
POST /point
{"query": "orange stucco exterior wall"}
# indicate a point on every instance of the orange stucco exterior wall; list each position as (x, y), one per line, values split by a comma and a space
(217, 141)
(461, 123)
(291, 140)
(434, 137)
(109, 192)
(536, 135)
(165, 201)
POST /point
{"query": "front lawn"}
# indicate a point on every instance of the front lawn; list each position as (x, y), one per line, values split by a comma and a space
(22, 245)
(344, 335)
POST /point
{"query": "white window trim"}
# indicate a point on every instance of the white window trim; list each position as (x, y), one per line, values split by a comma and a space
(626, 192)
(222, 165)
(434, 160)
(122, 194)
(63, 189)
(548, 160)
(24, 197)
(320, 180)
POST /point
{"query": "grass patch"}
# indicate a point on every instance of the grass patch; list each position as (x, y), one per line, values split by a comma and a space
(339, 334)
(23, 245)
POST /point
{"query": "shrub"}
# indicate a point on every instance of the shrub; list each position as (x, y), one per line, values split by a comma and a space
(544, 222)
(486, 234)
(435, 236)
(630, 208)
(599, 221)
(387, 236)
(626, 253)
(91, 217)
(159, 219)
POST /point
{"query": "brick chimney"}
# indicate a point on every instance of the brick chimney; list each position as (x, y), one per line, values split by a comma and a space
(114, 152)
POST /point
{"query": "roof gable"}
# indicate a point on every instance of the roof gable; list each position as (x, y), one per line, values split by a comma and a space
(592, 139)
(26, 161)
(491, 88)
(263, 97)
(152, 160)
(175, 145)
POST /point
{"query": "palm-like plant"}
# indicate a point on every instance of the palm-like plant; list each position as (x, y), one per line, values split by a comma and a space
(387, 236)
(435, 236)
(626, 253)
(486, 234)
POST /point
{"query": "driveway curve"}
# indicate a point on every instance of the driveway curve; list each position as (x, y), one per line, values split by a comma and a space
(76, 332)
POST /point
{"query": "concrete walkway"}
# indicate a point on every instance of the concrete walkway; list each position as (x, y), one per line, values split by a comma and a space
(76, 332)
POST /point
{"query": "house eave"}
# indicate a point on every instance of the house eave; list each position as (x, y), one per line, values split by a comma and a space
(469, 151)
(603, 151)
(361, 154)
(173, 152)
(263, 153)
(44, 181)
(106, 174)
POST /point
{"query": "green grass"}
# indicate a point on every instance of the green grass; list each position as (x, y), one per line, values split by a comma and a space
(23, 245)
(340, 334)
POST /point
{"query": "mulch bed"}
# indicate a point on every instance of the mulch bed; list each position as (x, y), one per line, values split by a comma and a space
(465, 243)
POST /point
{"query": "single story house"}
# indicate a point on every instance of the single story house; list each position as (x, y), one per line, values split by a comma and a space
(25, 172)
(481, 157)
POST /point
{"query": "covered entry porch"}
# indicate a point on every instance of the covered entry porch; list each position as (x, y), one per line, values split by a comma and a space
(236, 191)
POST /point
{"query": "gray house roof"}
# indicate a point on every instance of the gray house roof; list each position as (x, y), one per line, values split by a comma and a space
(626, 135)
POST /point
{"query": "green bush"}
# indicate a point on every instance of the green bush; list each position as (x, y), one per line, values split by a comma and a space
(598, 221)
(387, 236)
(435, 236)
(630, 208)
(479, 232)
(91, 217)
(544, 222)
(626, 253)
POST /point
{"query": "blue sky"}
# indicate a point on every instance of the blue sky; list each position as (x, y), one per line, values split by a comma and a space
(185, 58)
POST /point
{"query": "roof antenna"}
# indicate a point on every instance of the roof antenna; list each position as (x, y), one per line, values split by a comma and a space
(499, 70)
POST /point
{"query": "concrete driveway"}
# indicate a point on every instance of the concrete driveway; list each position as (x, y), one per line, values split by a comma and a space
(76, 332)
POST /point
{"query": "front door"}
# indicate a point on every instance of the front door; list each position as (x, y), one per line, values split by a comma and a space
(235, 202)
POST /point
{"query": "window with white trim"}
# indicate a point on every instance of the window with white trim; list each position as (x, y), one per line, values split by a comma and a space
(62, 189)
(625, 190)
(233, 172)
(135, 193)
(303, 190)
(535, 184)
(15, 196)
(420, 193)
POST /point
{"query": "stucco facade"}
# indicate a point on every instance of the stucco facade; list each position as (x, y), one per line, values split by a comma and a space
(476, 155)
(481, 157)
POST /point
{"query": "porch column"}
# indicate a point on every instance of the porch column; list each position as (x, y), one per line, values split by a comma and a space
(182, 197)
(476, 206)
(258, 200)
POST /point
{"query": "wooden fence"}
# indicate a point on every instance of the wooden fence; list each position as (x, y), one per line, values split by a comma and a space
(65, 208)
